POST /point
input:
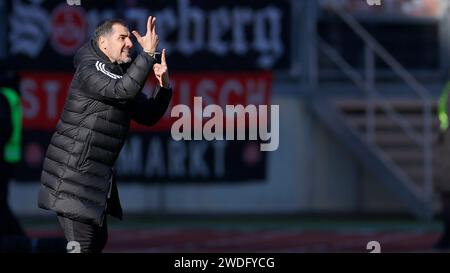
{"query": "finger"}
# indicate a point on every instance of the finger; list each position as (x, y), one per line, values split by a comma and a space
(156, 41)
(154, 25)
(163, 57)
(149, 24)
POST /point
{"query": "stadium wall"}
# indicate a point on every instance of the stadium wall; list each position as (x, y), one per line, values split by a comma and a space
(311, 172)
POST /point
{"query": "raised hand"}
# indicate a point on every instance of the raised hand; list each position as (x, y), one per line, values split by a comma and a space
(161, 71)
(150, 41)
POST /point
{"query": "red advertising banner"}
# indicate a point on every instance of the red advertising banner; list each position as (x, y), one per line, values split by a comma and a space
(44, 94)
(151, 154)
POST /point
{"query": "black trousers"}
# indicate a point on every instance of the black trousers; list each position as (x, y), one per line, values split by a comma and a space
(84, 238)
(89, 238)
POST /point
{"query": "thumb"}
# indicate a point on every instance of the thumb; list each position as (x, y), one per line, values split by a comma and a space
(137, 35)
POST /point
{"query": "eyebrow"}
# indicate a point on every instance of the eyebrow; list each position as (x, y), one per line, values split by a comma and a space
(124, 35)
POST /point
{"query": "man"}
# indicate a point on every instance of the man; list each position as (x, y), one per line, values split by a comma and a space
(10, 149)
(104, 96)
(13, 237)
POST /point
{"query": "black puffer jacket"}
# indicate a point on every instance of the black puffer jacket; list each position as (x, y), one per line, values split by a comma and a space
(102, 99)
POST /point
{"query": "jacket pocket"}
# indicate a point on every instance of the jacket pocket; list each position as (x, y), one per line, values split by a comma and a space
(85, 151)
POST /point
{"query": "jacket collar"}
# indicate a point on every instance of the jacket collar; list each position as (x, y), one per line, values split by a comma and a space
(115, 67)
(102, 56)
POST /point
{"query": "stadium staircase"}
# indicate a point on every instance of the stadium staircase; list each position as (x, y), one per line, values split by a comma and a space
(391, 136)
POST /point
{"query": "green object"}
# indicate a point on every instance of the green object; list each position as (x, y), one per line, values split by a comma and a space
(13, 148)
(442, 108)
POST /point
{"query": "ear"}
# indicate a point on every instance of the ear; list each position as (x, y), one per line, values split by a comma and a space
(102, 42)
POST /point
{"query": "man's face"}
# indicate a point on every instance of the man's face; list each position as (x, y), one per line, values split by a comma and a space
(117, 45)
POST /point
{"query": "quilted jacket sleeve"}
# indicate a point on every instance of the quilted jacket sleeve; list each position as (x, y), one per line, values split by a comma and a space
(98, 83)
(148, 110)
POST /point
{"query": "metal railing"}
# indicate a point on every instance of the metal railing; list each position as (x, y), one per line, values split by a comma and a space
(373, 49)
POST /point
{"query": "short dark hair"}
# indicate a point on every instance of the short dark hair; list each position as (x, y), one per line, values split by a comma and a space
(105, 28)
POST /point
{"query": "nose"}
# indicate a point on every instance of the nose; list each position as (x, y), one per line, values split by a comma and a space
(128, 43)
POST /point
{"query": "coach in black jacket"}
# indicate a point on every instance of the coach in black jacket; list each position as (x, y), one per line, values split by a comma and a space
(104, 96)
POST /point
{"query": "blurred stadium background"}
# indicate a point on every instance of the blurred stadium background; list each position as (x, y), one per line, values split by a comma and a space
(357, 87)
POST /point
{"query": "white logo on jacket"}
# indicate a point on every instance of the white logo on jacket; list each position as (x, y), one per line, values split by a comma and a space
(101, 67)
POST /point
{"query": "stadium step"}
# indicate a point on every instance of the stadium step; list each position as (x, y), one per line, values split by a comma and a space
(389, 155)
(387, 134)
